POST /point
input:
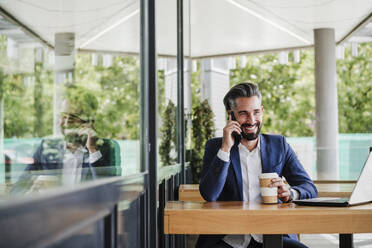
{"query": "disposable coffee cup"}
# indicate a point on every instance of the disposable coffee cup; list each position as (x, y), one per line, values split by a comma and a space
(269, 195)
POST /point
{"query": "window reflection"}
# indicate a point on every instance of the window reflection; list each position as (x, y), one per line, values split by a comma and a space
(67, 127)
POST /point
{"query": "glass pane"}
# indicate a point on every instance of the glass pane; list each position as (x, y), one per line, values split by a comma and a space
(190, 68)
(288, 96)
(354, 82)
(69, 112)
(167, 81)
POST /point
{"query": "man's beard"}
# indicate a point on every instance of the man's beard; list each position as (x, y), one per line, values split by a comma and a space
(73, 138)
(250, 136)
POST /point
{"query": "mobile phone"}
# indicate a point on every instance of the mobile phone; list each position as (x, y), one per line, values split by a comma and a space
(237, 137)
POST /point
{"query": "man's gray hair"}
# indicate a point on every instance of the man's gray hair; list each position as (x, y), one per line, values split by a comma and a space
(240, 90)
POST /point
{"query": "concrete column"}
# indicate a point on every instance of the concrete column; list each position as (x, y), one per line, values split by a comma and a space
(326, 104)
(188, 101)
(187, 85)
(215, 82)
(170, 78)
(63, 72)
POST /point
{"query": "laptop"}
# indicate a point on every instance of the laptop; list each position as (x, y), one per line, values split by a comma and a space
(362, 192)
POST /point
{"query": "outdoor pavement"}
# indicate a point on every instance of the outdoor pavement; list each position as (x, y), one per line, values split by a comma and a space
(331, 240)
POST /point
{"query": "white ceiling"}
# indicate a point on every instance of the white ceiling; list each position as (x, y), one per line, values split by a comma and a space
(218, 27)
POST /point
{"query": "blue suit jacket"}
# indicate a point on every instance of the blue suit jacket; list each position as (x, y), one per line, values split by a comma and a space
(48, 159)
(222, 181)
(49, 156)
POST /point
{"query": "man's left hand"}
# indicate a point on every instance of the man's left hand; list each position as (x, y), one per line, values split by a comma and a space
(284, 193)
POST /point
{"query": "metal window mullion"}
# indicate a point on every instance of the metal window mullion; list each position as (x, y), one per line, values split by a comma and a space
(162, 201)
(180, 91)
(110, 228)
(148, 115)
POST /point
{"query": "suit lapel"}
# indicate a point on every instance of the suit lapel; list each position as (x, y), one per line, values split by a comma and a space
(85, 166)
(264, 149)
(235, 160)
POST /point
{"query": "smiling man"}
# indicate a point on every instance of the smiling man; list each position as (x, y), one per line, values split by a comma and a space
(232, 165)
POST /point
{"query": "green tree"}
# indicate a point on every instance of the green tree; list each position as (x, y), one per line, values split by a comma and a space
(168, 134)
(355, 91)
(27, 111)
(38, 99)
(117, 90)
(287, 92)
(202, 130)
(2, 83)
(18, 120)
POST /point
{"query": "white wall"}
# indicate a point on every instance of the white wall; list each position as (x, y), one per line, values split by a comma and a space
(215, 83)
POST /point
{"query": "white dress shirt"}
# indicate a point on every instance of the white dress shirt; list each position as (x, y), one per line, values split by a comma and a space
(73, 162)
(251, 168)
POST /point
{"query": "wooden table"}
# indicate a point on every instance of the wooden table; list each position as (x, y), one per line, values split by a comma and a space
(190, 192)
(271, 220)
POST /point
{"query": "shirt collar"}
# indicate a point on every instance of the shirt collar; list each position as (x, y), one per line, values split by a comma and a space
(79, 150)
(258, 148)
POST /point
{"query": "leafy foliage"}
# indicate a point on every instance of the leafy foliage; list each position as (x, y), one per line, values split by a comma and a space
(117, 90)
(38, 104)
(287, 92)
(355, 91)
(18, 120)
(168, 134)
(202, 130)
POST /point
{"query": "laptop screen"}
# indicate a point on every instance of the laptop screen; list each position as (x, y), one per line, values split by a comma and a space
(362, 191)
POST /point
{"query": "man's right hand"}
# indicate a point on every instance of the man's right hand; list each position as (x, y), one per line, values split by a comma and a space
(228, 139)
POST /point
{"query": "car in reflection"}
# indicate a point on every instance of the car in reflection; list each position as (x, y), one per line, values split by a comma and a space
(18, 152)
